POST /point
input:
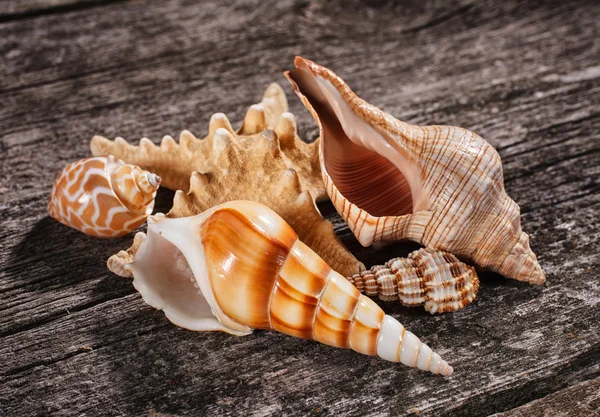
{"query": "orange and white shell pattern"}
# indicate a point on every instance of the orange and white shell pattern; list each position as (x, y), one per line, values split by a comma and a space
(103, 196)
(239, 266)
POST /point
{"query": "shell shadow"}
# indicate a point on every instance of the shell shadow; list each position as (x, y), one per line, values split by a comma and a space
(51, 257)
(51, 251)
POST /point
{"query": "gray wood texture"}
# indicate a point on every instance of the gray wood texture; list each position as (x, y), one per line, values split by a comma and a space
(77, 340)
(579, 400)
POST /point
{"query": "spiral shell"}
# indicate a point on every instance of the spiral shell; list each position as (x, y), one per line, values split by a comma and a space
(435, 279)
(441, 186)
(239, 266)
(103, 196)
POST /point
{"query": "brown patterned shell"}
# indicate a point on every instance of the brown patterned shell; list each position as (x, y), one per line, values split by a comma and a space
(251, 269)
(435, 279)
(441, 186)
(103, 196)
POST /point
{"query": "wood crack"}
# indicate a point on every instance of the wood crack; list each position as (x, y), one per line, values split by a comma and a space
(57, 315)
(440, 19)
(81, 350)
(544, 165)
(61, 8)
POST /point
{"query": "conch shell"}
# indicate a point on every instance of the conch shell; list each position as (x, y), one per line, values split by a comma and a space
(238, 266)
(441, 186)
(428, 277)
(272, 167)
(103, 196)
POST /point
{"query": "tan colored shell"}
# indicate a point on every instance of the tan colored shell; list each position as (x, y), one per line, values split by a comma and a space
(428, 277)
(267, 124)
(238, 266)
(441, 186)
(248, 166)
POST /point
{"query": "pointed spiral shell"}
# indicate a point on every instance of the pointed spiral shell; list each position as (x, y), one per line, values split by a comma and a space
(435, 279)
(103, 196)
(249, 271)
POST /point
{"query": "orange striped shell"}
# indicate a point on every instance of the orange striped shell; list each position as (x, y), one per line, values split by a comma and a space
(239, 266)
(103, 196)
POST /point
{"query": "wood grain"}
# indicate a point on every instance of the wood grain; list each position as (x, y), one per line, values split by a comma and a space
(582, 400)
(75, 339)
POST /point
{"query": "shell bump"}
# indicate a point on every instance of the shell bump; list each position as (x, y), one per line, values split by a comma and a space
(432, 278)
(239, 266)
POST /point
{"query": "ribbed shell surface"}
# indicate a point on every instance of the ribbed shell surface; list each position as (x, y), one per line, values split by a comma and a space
(462, 206)
(435, 279)
(242, 267)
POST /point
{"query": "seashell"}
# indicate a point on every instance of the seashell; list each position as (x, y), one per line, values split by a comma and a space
(441, 186)
(103, 196)
(266, 167)
(435, 279)
(238, 266)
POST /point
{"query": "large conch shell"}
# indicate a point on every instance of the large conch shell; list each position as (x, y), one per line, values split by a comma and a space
(238, 266)
(432, 278)
(103, 196)
(441, 186)
(272, 167)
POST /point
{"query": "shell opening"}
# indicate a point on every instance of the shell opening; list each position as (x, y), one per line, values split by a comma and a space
(166, 281)
(362, 174)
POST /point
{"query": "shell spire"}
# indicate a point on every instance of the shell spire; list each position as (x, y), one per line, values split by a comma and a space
(435, 279)
(103, 196)
(441, 186)
(239, 266)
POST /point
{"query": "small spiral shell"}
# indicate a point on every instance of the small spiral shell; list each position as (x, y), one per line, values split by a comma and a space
(103, 196)
(429, 277)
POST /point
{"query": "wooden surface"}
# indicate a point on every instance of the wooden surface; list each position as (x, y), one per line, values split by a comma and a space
(77, 340)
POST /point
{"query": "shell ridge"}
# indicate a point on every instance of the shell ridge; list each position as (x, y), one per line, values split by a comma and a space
(430, 231)
(420, 279)
(352, 320)
(275, 286)
(318, 309)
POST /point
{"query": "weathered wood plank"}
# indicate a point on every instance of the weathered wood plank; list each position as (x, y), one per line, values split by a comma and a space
(579, 400)
(524, 76)
(28, 9)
